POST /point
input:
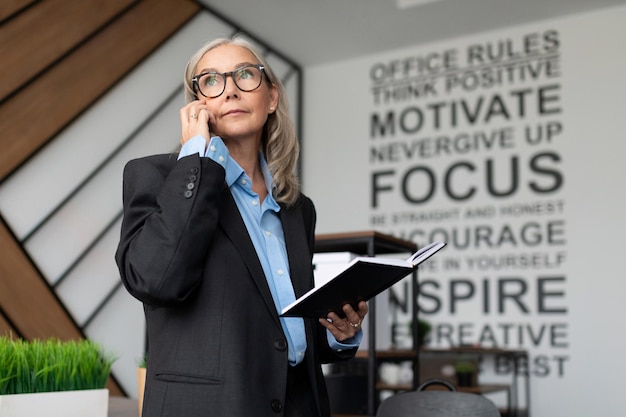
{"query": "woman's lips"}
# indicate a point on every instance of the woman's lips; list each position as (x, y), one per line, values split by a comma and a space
(234, 112)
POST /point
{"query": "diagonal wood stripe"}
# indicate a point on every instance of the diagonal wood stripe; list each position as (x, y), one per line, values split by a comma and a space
(26, 299)
(31, 118)
(61, 25)
(6, 329)
(9, 7)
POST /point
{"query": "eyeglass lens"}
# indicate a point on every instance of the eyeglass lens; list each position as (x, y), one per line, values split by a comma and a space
(212, 84)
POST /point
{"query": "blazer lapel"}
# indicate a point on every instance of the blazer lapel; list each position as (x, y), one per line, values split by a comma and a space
(297, 250)
(295, 239)
(234, 227)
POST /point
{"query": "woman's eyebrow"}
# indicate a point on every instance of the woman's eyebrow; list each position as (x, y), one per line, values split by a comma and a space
(239, 65)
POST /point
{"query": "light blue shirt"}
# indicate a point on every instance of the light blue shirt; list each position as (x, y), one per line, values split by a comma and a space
(266, 232)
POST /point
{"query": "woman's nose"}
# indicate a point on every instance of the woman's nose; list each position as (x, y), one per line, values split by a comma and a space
(231, 89)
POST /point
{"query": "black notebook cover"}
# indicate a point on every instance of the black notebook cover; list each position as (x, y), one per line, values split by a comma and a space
(364, 278)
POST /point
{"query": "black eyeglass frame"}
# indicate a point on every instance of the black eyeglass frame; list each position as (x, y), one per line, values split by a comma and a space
(196, 78)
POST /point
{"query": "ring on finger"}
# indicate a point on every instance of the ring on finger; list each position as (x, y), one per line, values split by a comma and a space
(355, 325)
(194, 116)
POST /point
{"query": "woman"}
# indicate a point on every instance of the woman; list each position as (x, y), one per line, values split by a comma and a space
(216, 241)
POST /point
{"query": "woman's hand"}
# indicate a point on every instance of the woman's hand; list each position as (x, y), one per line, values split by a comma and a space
(195, 119)
(345, 328)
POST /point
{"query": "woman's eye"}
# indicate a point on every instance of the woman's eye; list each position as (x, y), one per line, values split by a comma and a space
(244, 73)
(210, 80)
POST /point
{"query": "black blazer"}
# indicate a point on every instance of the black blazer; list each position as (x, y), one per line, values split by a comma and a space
(216, 346)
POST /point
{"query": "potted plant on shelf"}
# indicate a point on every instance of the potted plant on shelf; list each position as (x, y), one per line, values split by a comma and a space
(465, 373)
(53, 378)
(423, 329)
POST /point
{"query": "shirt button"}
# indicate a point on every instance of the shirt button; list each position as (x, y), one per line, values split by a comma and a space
(268, 233)
(280, 272)
(255, 203)
(244, 182)
(280, 345)
(277, 406)
(221, 158)
(212, 148)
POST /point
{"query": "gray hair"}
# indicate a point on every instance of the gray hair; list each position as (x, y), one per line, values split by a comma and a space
(279, 143)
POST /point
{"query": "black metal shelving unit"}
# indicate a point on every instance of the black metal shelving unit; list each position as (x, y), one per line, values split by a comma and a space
(372, 243)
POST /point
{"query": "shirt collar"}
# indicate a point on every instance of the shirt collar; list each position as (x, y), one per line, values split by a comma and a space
(234, 172)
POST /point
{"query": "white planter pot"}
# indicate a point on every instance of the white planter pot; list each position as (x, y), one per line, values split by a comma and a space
(83, 403)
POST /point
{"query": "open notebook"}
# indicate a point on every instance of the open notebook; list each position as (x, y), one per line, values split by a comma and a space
(363, 278)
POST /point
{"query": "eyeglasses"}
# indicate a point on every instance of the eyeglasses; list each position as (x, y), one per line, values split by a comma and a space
(212, 84)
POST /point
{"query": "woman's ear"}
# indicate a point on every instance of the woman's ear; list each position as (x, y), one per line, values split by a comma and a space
(273, 105)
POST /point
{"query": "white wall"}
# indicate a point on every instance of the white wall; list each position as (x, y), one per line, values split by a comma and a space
(564, 307)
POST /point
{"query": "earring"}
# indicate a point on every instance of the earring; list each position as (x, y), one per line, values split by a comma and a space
(271, 108)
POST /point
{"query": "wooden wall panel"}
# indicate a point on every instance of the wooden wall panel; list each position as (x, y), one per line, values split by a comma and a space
(32, 41)
(25, 297)
(6, 329)
(29, 119)
(10, 7)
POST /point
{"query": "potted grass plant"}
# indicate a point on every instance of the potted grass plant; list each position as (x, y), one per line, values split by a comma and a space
(465, 373)
(53, 378)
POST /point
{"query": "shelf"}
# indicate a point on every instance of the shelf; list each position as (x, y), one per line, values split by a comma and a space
(381, 386)
(484, 388)
(362, 243)
(408, 354)
(475, 351)
(399, 354)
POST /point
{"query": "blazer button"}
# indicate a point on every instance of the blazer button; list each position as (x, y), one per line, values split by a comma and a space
(190, 185)
(277, 406)
(194, 170)
(188, 194)
(280, 345)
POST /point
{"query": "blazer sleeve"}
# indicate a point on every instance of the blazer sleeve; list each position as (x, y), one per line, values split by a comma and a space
(171, 210)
